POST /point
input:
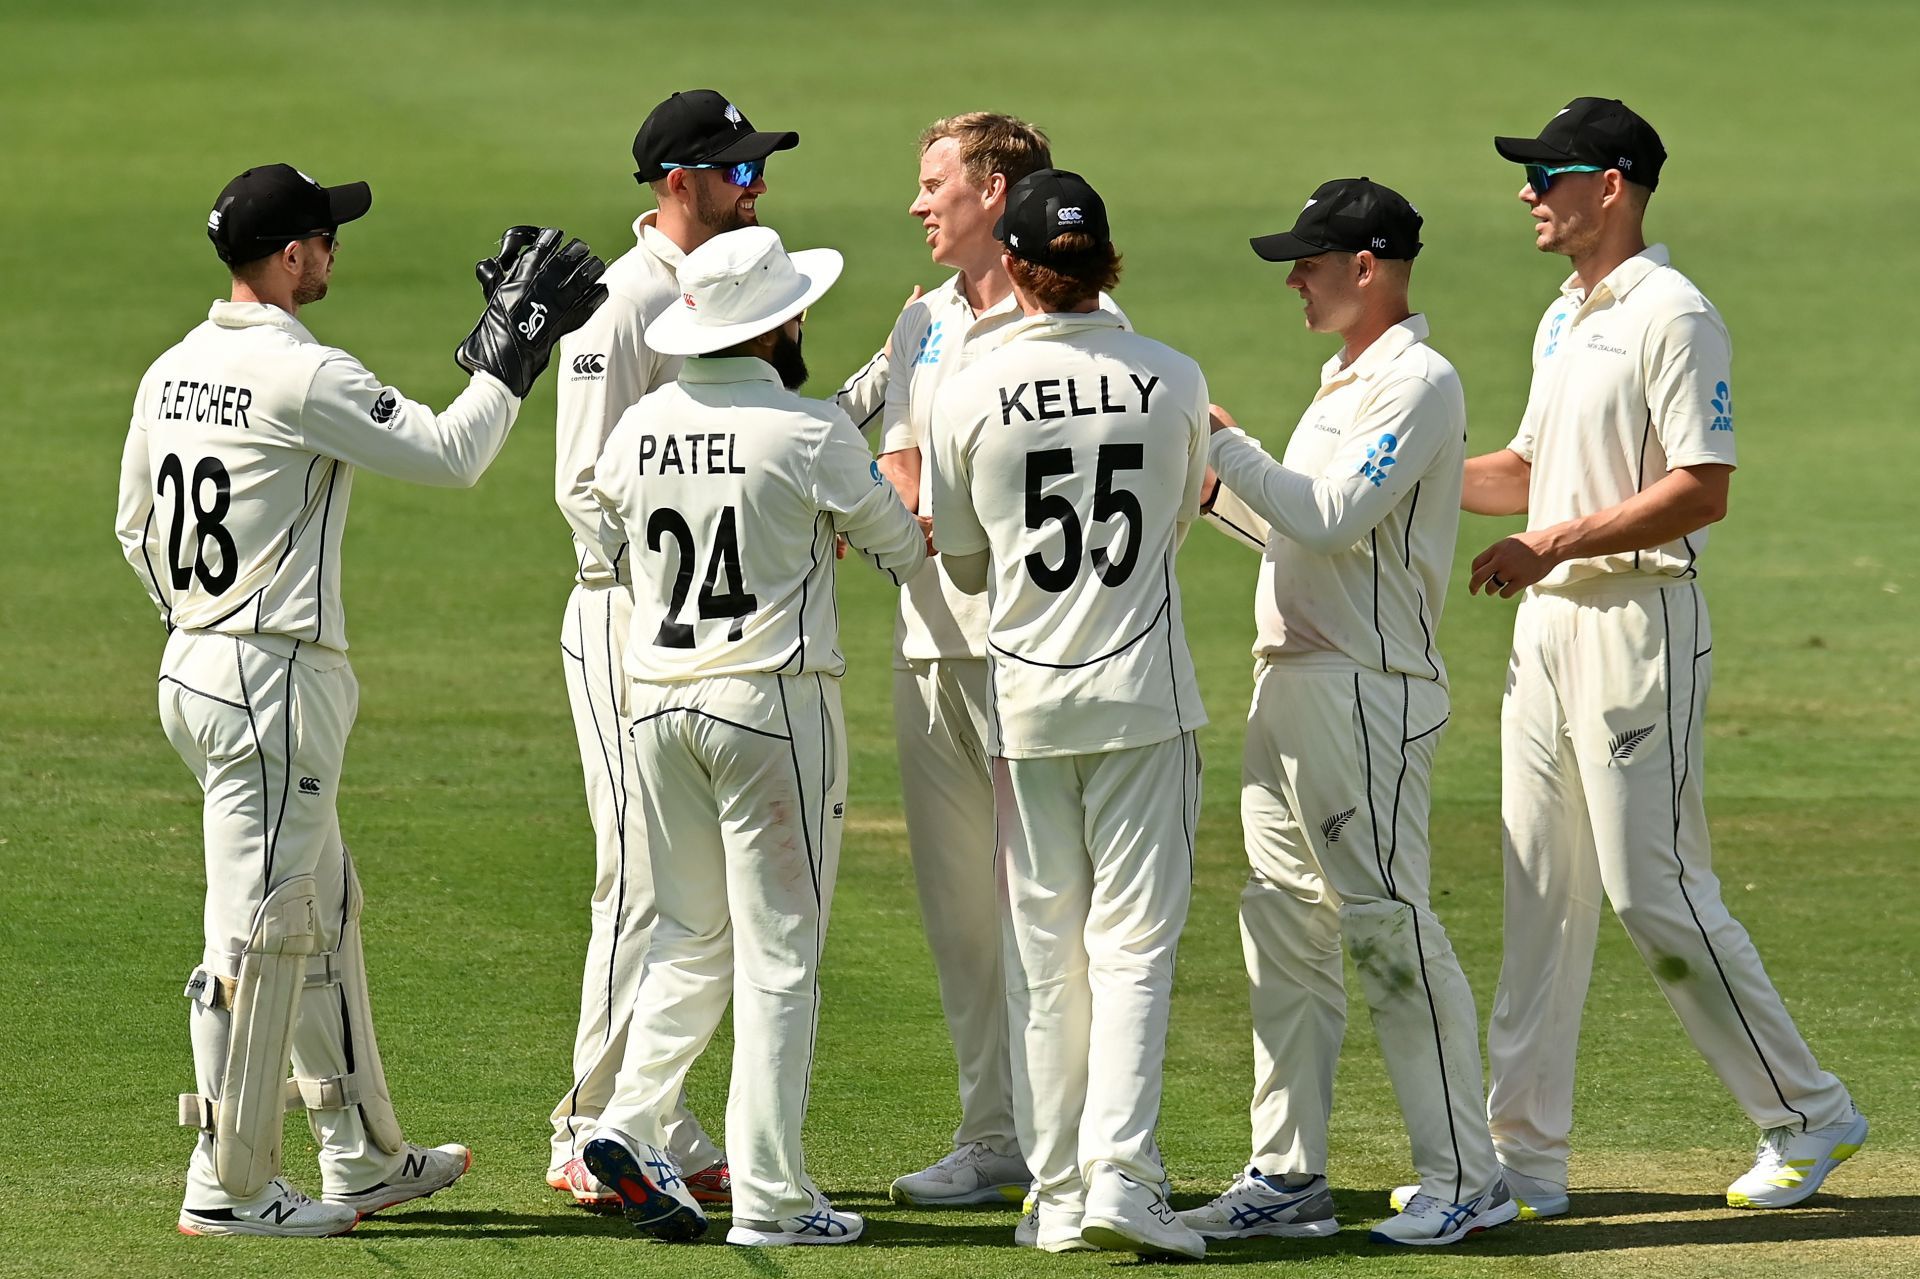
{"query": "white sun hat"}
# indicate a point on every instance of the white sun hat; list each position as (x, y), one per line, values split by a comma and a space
(737, 286)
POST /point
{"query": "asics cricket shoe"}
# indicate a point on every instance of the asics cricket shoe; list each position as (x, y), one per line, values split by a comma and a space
(1427, 1221)
(973, 1174)
(1789, 1166)
(1123, 1215)
(1255, 1206)
(1536, 1198)
(712, 1184)
(423, 1171)
(823, 1224)
(277, 1210)
(587, 1190)
(1055, 1230)
(654, 1198)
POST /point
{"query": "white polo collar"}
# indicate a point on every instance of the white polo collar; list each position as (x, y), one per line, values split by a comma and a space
(1385, 349)
(712, 369)
(648, 235)
(1622, 279)
(246, 315)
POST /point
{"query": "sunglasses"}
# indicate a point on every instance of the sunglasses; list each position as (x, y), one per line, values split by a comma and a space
(743, 174)
(1540, 176)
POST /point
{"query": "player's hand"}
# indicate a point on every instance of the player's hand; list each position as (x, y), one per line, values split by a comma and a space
(513, 242)
(912, 297)
(1509, 566)
(926, 531)
(839, 546)
(1221, 419)
(547, 293)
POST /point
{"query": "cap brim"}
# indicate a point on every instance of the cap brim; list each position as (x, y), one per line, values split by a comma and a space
(676, 331)
(1286, 247)
(755, 146)
(349, 201)
(1532, 151)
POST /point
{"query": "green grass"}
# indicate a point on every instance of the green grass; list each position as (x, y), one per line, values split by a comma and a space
(1788, 198)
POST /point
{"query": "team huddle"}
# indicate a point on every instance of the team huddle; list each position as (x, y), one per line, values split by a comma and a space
(1025, 467)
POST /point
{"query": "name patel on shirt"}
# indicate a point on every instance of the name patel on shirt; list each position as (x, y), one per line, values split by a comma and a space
(220, 403)
(1078, 397)
(703, 453)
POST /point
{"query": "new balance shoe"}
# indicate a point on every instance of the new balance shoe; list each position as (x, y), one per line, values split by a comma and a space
(1789, 1166)
(973, 1174)
(1427, 1221)
(423, 1171)
(1537, 1198)
(1051, 1230)
(654, 1198)
(1123, 1215)
(587, 1190)
(712, 1184)
(1256, 1206)
(823, 1224)
(277, 1210)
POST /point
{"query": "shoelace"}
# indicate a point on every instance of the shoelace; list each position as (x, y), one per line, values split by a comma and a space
(1423, 1203)
(1772, 1150)
(972, 1152)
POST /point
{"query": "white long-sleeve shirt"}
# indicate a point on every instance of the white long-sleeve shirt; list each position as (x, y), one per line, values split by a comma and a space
(1361, 514)
(239, 464)
(730, 489)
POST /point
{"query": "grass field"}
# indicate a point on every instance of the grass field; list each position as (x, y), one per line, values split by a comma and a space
(1789, 198)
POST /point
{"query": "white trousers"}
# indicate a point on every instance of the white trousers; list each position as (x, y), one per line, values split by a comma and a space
(265, 736)
(946, 784)
(1602, 746)
(593, 635)
(1098, 888)
(1334, 799)
(743, 781)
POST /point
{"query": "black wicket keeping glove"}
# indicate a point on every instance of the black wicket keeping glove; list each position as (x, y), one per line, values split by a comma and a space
(513, 242)
(547, 293)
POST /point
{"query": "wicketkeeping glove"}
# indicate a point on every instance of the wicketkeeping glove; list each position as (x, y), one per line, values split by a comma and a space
(513, 242)
(547, 293)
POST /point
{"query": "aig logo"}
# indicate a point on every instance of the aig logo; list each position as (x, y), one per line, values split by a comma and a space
(589, 365)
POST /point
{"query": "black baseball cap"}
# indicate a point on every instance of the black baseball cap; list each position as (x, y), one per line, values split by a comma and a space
(700, 126)
(1048, 203)
(1347, 215)
(1599, 131)
(268, 207)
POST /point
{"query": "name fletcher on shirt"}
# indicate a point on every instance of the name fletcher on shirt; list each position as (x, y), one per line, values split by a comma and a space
(1047, 398)
(214, 402)
(705, 453)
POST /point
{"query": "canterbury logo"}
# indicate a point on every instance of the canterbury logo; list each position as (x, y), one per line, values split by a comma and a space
(531, 326)
(1332, 827)
(309, 785)
(385, 407)
(1623, 744)
(584, 364)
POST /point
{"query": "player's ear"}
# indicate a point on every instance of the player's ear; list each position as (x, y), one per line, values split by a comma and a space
(995, 188)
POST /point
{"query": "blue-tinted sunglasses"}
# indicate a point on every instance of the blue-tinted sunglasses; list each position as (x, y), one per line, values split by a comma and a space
(1540, 176)
(743, 174)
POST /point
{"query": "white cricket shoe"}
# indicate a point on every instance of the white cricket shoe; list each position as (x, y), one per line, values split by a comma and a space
(1054, 1230)
(423, 1171)
(1123, 1215)
(1789, 1166)
(1427, 1221)
(973, 1174)
(277, 1210)
(1255, 1206)
(1537, 1198)
(654, 1197)
(823, 1224)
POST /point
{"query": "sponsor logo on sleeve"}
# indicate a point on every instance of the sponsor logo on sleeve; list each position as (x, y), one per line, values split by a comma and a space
(1553, 335)
(384, 407)
(1379, 458)
(929, 352)
(1722, 407)
(589, 367)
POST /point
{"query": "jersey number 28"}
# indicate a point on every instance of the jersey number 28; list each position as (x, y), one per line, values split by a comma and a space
(735, 602)
(1108, 503)
(207, 526)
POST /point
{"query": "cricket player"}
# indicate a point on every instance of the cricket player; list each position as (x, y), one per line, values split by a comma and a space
(706, 166)
(967, 163)
(1065, 467)
(730, 490)
(1349, 704)
(1622, 460)
(234, 486)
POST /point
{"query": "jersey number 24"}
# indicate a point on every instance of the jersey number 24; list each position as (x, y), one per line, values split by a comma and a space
(735, 602)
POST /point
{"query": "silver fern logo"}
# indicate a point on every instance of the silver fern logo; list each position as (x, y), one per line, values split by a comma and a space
(1332, 827)
(1622, 745)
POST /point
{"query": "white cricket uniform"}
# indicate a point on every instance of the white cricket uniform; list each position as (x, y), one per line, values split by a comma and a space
(729, 490)
(234, 486)
(940, 729)
(1075, 453)
(603, 369)
(1601, 728)
(1350, 696)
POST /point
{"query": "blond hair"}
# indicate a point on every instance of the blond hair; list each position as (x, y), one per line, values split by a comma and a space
(992, 143)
